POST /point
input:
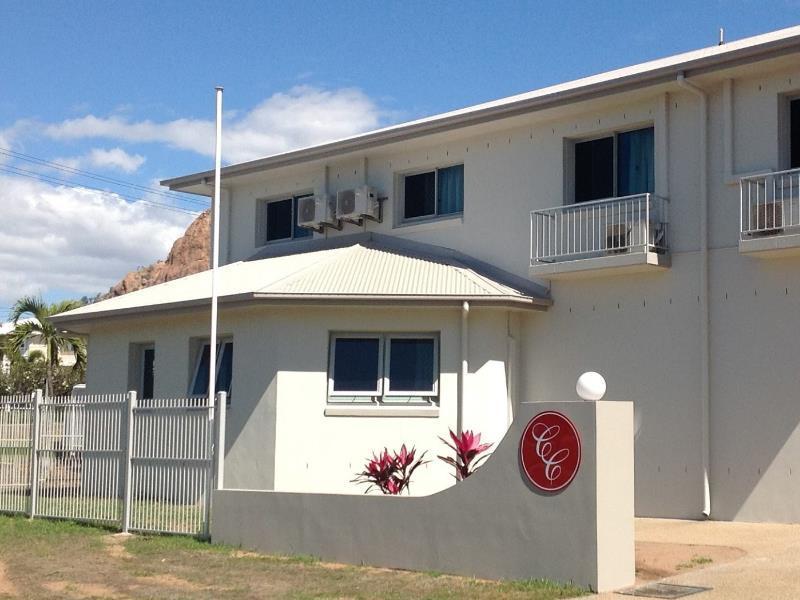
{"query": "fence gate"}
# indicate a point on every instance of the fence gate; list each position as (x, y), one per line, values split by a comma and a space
(16, 445)
(79, 458)
(172, 465)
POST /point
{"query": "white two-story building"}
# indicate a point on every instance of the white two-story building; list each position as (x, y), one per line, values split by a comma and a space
(382, 289)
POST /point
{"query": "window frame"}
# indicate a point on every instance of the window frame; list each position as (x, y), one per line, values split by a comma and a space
(383, 394)
(571, 173)
(388, 392)
(199, 345)
(261, 243)
(401, 194)
(378, 391)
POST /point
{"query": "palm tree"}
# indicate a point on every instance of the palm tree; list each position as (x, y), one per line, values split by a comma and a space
(55, 340)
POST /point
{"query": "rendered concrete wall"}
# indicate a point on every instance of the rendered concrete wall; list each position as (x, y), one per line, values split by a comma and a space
(492, 525)
(278, 434)
(643, 331)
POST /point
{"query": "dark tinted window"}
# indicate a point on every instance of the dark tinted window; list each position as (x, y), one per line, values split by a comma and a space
(148, 372)
(450, 190)
(794, 143)
(411, 365)
(594, 169)
(420, 195)
(355, 364)
(635, 162)
(279, 220)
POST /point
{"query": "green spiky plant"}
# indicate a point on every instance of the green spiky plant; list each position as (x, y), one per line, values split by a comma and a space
(32, 318)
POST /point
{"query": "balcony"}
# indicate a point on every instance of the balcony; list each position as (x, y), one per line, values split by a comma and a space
(770, 214)
(616, 235)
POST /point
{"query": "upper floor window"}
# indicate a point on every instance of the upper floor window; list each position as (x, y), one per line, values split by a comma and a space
(433, 193)
(614, 166)
(276, 220)
(224, 368)
(794, 135)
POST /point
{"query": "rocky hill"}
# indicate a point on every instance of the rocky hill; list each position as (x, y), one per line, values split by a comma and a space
(189, 254)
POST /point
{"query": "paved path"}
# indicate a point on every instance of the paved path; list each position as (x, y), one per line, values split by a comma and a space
(770, 569)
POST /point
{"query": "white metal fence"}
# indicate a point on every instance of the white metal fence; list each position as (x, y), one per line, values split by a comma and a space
(635, 223)
(770, 204)
(144, 466)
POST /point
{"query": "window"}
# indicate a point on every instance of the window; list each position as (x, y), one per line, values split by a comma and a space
(141, 369)
(224, 371)
(794, 135)
(383, 368)
(615, 166)
(276, 220)
(434, 193)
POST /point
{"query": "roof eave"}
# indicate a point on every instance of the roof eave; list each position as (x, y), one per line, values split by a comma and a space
(433, 125)
(254, 299)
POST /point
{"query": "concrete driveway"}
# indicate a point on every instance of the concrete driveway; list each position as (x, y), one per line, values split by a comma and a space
(770, 569)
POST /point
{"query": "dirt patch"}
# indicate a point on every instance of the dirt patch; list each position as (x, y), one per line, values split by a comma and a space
(7, 587)
(115, 545)
(71, 589)
(656, 560)
(173, 582)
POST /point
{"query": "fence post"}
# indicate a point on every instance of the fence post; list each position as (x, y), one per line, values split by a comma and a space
(219, 444)
(37, 404)
(211, 406)
(126, 499)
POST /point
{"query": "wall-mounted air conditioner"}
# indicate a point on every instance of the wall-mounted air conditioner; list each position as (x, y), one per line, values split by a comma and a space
(766, 219)
(316, 212)
(358, 204)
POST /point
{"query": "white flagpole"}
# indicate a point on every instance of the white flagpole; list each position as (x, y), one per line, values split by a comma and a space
(212, 346)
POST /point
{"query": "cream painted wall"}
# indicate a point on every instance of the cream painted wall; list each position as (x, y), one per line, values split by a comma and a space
(277, 433)
(643, 331)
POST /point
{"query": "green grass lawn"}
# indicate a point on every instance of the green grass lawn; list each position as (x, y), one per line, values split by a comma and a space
(46, 559)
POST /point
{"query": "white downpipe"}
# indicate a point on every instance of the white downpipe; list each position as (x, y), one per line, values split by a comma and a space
(212, 342)
(462, 379)
(704, 289)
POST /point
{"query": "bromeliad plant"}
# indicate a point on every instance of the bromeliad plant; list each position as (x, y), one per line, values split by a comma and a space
(390, 472)
(468, 448)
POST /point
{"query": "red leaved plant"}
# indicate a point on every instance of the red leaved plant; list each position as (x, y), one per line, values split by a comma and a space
(467, 446)
(391, 472)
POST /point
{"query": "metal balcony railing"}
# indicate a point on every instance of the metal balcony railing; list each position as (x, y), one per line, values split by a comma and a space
(608, 227)
(770, 204)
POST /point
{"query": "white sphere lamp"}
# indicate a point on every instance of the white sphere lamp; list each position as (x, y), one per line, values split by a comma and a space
(591, 386)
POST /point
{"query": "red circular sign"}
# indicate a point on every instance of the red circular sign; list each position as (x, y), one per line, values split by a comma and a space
(550, 451)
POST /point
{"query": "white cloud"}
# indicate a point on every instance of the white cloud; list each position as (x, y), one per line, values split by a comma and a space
(303, 116)
(112, 159)
(76, 240)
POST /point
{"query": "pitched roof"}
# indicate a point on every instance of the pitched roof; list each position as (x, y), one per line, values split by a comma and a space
(652, 72)
(359, 269)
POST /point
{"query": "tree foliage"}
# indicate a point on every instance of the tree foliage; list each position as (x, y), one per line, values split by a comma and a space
(48, 373)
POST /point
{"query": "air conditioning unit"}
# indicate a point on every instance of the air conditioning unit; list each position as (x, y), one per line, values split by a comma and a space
(315, 212)
(357, 204)
(766, 219)
(617, 238)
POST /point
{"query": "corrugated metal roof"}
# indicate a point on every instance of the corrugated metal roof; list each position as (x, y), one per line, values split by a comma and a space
(369, 267)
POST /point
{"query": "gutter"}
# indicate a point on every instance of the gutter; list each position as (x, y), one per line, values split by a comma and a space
(705, 316)
(697, 65)
(340, 300)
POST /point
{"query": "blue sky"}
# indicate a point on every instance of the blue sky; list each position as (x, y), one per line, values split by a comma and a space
(126, 90)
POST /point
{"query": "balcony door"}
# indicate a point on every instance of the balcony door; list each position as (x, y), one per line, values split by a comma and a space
(618, 165)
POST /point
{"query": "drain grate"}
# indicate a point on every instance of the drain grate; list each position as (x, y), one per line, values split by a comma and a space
(663, 590)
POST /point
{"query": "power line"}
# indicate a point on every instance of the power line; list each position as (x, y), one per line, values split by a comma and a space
(96, 176)
(49, 179)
